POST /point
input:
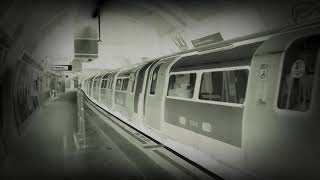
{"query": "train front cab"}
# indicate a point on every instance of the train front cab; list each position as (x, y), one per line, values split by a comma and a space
(281, 127)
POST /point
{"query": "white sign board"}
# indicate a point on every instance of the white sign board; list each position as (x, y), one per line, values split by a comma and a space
(61, 68)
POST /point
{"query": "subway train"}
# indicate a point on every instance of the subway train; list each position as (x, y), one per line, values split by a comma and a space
(249, 104)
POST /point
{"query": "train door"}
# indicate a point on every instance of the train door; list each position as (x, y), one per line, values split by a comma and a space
(104, 88)
(108, 99)
(113, 87)
(138, 95)
(102, 91)
(146, 85)
(109, 91)
(153, 96)
(97, 90)
(130, 93)
(94, 86)
(137, 90)
(155, 93)
(90, 86)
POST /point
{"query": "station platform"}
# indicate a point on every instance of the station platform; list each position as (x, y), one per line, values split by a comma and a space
(67, 139)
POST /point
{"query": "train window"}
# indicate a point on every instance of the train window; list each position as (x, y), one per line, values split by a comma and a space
(124, 86)
(154, 79)
(182, 85)
(118, 84)
(224, 86)
(298, 75)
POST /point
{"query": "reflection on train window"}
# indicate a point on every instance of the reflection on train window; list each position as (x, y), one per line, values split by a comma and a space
(118, 84)
(182, 85)
(125, 83)
(154, 79)
(297, 78)
(224, 86)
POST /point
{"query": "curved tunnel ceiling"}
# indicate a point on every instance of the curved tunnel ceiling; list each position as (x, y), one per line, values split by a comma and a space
(133, 31)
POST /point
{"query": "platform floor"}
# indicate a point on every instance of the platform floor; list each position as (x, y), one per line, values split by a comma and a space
(53, 148)
(41, 148)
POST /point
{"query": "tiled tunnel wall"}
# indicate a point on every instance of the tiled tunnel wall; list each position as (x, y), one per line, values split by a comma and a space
(24, 86)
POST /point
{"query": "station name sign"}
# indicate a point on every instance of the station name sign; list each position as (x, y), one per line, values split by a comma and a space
(61, 67)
